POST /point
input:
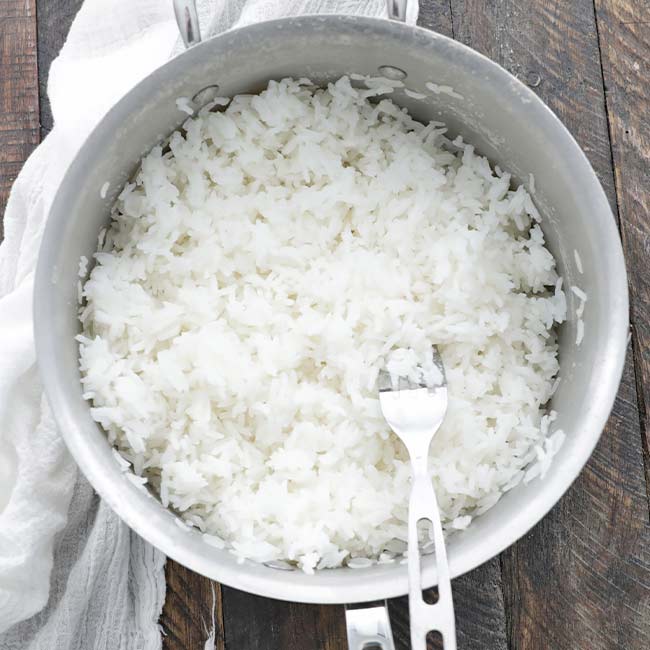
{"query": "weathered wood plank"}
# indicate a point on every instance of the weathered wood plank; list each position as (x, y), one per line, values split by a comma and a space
(436, 15)
(480, 611)
(551, 45)
(265, 624)
(18, 91)
(623, 28)
(193, 611)
(54, 20)
(580, 578)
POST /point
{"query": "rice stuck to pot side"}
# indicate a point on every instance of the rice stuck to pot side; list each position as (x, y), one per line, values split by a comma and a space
(258, 273)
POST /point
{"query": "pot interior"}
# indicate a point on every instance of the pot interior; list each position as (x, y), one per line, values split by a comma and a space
(489, 108)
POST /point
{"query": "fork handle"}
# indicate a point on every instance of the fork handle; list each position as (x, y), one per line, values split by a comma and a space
(423, 616)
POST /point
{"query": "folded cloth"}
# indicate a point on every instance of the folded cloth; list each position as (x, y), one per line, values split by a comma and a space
(72, 575)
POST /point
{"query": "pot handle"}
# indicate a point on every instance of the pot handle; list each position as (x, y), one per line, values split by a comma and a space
(187, 20)
(369, 627)
(397, 9)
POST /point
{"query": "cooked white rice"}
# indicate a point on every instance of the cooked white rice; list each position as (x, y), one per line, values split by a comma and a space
(258, 272)
(578, 260)
(436, 89)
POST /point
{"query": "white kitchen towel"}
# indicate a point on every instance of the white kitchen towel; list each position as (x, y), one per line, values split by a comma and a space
(72, 575)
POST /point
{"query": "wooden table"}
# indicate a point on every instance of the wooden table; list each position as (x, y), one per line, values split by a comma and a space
(581, 578)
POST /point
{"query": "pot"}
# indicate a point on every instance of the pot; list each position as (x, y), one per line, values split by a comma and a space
(487, 106)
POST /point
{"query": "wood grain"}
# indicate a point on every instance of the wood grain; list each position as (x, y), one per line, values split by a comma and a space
(624, 32)
(18, 91)
(552, 46)
(436, 15)
(264, 624)
(580, 578)
(480, 612)
(193, 611)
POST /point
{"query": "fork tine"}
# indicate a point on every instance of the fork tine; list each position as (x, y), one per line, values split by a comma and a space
(414, 385)
(384, 381)
(437, 360)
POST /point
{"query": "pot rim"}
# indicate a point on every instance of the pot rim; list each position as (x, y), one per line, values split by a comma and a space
(158, 527)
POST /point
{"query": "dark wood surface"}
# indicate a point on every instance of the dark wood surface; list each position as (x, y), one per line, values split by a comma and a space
(581, 578)
(19, 117)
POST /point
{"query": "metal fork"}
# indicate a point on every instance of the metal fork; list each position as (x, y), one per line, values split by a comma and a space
(415, 410)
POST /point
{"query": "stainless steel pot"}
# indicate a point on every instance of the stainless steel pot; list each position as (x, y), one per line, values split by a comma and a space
(488, 107)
